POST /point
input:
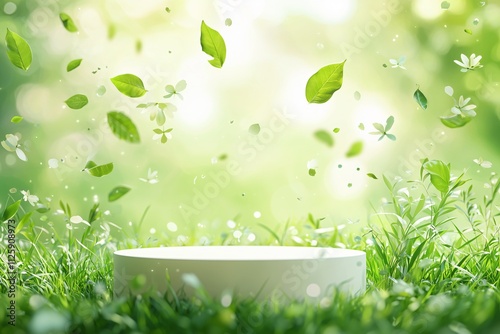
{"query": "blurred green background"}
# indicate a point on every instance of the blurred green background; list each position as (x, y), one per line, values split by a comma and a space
(212, 169)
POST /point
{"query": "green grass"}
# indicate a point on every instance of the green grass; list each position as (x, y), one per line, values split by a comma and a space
(432, 267)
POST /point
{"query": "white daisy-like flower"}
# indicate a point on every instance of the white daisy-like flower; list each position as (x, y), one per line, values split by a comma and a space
(152, 177)
(461, 108)
(470, 63)
(11, 144)
(27, 197)
(398, 63)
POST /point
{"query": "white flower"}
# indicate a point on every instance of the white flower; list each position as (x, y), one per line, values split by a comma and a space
(11, 144)
(398, 63)
(461, 108)
(469, 63)
(483, 163)
(78, 220)
(152, 177)
(32, 199)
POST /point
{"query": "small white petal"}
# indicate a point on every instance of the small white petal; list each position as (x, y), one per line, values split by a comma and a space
(465, 60)
(21, 155)
(393, 61)
(486, 164)
(466, 101)
(448, 90)
(469, 107)
(459, 63)
(456, 111)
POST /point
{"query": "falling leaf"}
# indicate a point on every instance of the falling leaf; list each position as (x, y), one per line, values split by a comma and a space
(455, 121)
(18, 50)
(420, 98)
(167, 9)
(312, 171)
(138, 46)
(445, 5)
(228, 22)
(468, 31)
(123, 127)
(373, 176)
(129, 85)
(254, 129)
(213, 44)
(322, 84)
(16, 119)
(355, 149)
(324, 137)
(73, 64)
(336, 130)
(98, 170)
(361, 126)
(77, 101)
(117, 193)
(68, 23)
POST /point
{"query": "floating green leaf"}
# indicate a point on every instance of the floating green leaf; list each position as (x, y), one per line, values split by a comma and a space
(123, 127)
(357, 95)
(68, 23)
(355, 149)
(129, 85)
(11, 210)
(312, 172)
(213, 44)
(77, 101)
(111, 31)
(420, 98)
(336, 130)
(73, 64)
(98, 170)
(16, 119)
(325, 137)
(322, 84)
(18, 50)
(117, 193)
(440, 174)
(254, 129)
(138, 46)
(468, 31)
(373, 176)
(455, 121)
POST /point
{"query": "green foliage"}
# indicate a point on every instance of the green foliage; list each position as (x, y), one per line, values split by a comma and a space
(322, 84)
(455, 121)
(117, 193)
(77, 101)
(18, 50)
(123, 127)
(439, 173)
(213, 44)
(16, 119)
(11, 210)
(129, 85)
(383, 131)
(420, 98)
(73, 64)
(325, 137)
(355, 149)
(98, 170)
(67, 22)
